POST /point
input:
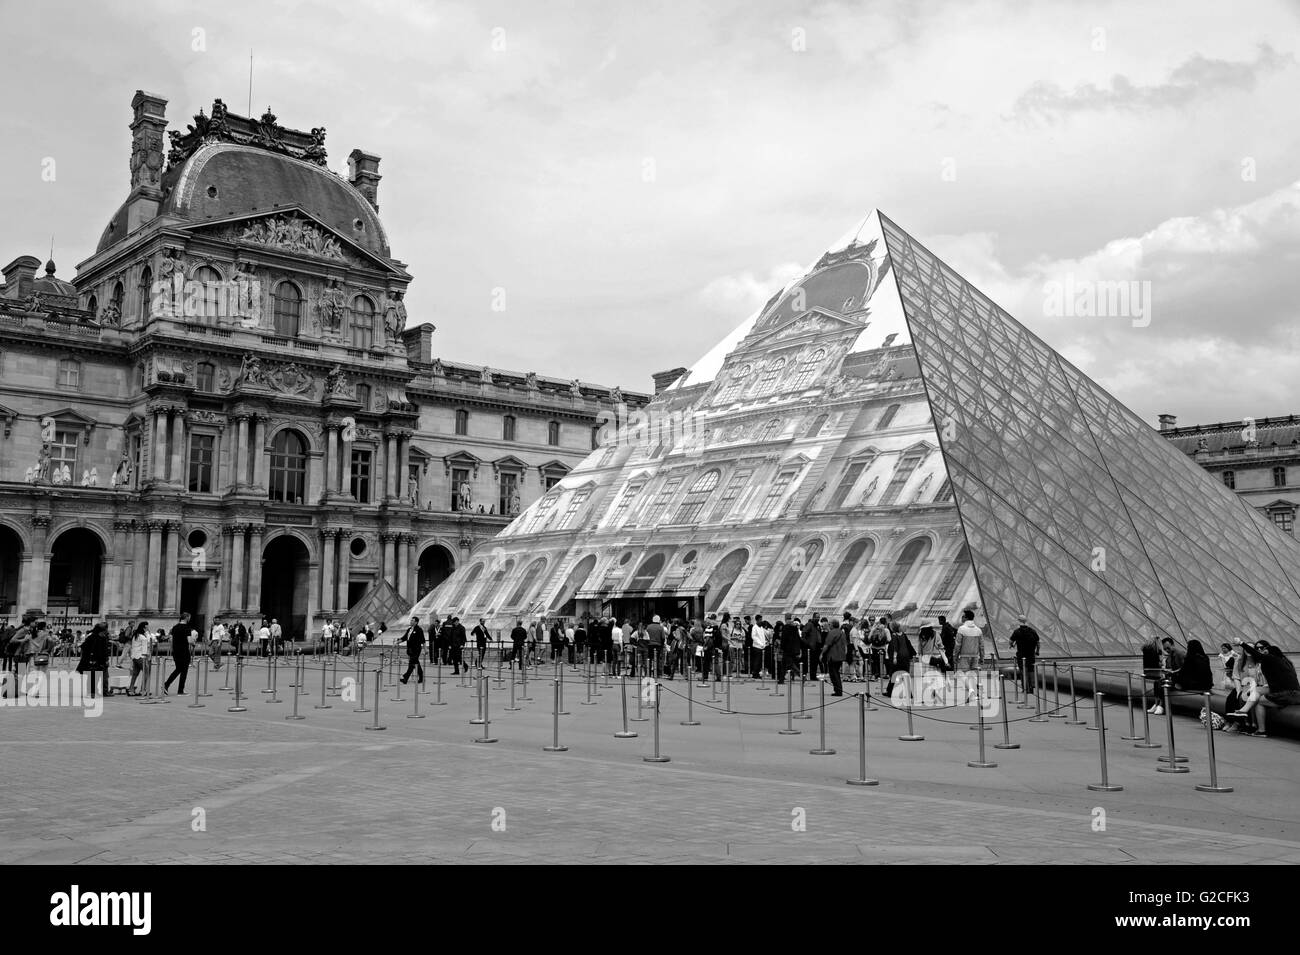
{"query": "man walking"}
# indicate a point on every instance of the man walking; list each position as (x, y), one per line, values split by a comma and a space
(217, 644)
(948, 637)
(970, 642)
(180, 654)
(833, 653)
(480, 634)
(1025, 639)
(414, 647)
(517, 637)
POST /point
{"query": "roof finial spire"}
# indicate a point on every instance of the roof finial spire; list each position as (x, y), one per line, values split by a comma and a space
(49, 264)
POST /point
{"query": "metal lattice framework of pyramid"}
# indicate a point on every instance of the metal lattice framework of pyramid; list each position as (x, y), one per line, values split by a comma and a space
(1076, 512)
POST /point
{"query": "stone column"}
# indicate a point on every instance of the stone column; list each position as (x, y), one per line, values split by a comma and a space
(241, 452)
(159, 449)
(139, 560)
(403, 459)
(328, 588)
(255, 568)
(345, 561)
(36, 579)
(171, 584)
(178, 448)
(390, 465)
(237, 564)
(116, 591)
(345, 463)
(259, 453)
(403, 548)
(331, 460)
(153, 574)
(221, 600)
(409, 579)
(389, 568)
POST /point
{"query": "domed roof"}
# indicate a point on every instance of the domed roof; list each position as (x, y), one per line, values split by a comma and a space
(48, 284)
(226, 179)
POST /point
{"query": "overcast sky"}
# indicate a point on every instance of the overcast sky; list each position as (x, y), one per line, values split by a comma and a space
(638, 176)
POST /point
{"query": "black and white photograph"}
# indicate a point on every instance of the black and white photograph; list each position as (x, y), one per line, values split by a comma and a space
(524, 432)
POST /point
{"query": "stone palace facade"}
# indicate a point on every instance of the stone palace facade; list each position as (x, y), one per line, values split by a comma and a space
(227, 410)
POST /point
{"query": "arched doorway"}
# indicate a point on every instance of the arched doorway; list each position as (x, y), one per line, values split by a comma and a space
(436, 565)
(286, 584)
(11, 553)
(76, 560)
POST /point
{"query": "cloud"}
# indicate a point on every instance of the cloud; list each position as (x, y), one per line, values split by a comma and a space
(1198, 77)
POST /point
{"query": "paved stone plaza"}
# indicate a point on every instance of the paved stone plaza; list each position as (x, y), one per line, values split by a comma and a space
(123, 788)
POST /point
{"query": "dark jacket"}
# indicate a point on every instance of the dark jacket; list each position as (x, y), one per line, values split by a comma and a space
(655, 635)
(1279, 672)
(900, 651)
(791, 644)
(414, 641)
(948, 637)
(836, 648)
(1025, 640)
(812, 636)
(1195, 671)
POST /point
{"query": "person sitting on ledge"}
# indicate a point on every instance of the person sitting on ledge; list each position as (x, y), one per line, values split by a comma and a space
(1279, 673)
(1194, 675)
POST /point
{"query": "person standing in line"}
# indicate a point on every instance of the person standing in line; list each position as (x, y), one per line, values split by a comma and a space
(94, 657)
(480, 635)
(812, 643)
(616, 647)
(1025, 639)
(833, 653)
(139, 649)
(277, 634)
(655, 641)
(180, 654)
(216, 643)
(459, 638)
(414, 639)
(757, 645)
(792, 649)
(517, 637)
(570, 643)
(970, 642)
(264, 638)
(948, 637)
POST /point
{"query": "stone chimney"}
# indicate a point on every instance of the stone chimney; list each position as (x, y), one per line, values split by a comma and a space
(1167, 422)
(19, 275)
(663, 379)
(148, 160)
(363, 173)
(419, 342)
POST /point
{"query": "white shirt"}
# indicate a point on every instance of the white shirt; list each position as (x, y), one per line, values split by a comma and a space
(617, 635)
(759, 635)
(264, 633)
(139, 647)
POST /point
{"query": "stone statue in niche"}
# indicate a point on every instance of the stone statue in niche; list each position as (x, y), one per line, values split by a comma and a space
(486, 376)
(394, 316)
(250, 370)
(41, 473)
(122, 473)
(1202, 443)
(530, 381)
(512, 503)
(337, 383)
(575, 388)
(466, 496)
(316, 151)
(111, 314)
(331, 308)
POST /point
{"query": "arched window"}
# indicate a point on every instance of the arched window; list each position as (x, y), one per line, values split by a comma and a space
(363, 322)
(848, 564)
(898, 573)
(956, 573)
(770, 430)
(530, 577)
(92, 306)
(724, 575)
(1230, 480)
(807, 370)
(461, 592)
(815, 428)
(771, 375)
(210, 303)
(887, 418)
(205, 377)
(146, 293)
(735, 384)
(697, 497)
(801, 559)
(647, 572)
(288, 309)
(462, 421)
(118, 297)
(288, 468)
(493, 586)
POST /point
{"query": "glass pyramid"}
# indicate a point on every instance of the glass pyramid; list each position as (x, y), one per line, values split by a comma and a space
(1076, 512)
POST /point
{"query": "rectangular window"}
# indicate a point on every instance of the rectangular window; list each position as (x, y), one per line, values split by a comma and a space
(575, 504)
(508, 428)
(462, 422)
(1279, 477)
(206, 376)
(551, 481)
(508, 490)
(69, 373)
(459, 476)
(850, 478)
(202, 447)
(662, 500)
(543, 511)
(730, 493)
(63, 453)
(363, 328)
(901, 474)
(360, 485)
(630, 494)
(779, 487)
(1285, 520)
(553, 434)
